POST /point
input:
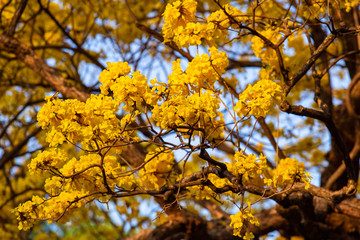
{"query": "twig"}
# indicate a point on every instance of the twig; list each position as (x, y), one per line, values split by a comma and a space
(15, 19)
(271, 138)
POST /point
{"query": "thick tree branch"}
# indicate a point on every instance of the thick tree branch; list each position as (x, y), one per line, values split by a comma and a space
(352, 176)
(301, 111)
(269, 220)
(38, 65)
(354, 156)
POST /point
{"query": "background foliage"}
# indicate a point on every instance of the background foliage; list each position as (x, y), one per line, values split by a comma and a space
(135, 120)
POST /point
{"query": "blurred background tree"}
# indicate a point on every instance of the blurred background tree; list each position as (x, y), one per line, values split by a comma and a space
(309, 47)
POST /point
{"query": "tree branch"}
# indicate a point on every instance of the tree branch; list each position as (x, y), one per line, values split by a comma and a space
(38, 65)
(328, 40)
(14, 21)
(10, 155)
(79, 48)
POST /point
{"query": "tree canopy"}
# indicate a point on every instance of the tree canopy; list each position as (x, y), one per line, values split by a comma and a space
(185, 119)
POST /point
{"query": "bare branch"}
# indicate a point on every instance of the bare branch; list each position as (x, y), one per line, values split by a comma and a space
(14, 21)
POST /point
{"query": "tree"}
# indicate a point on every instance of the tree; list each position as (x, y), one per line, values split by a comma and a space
(207, 121)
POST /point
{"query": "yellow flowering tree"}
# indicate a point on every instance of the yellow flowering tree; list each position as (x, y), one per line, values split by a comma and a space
(179, 119)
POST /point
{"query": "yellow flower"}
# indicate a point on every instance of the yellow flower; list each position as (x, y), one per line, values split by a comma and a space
(157, 169)
(221, 18)
(177, 14)
(257, 100)
(113, 71)
(200, 108)
(131, 90)
(237, 222)
(266, 53)
(250, 167)
(218, 182)
(289, 171)
(46, 160)
(193, 33)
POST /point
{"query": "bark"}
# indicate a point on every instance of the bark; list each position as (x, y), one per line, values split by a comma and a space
(346, 115)
(38, 65)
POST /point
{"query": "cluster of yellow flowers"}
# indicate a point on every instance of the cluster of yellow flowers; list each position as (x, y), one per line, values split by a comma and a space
(237, 221)
(202, 73)
(193, 34)
(76, 121)
(177, 15)
(200, 109)
(130, 89)
(268, 55)
(47, 160)
(222, 20)
(47, 209)
(250, 166)
(74, 182)
(257, 100)
(200, 193)
(218, 182)
(111, 73)
(181, 27)
(188, 99)
(158, 169)
(289, 171)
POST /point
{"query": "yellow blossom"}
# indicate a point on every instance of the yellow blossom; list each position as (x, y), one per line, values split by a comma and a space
(222, 20)
(113, 71)
(289, 171)
(257, 100)
(263, 51)
(249, 167)
(237, 222)
(177, 14)
(46, 160)
(131, 90)
(181, 111)
(202, 72)
(157, 170)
